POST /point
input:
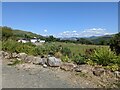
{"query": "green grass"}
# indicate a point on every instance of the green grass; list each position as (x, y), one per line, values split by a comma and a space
(77, 48)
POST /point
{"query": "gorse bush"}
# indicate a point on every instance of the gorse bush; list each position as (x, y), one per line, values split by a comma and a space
(104, 56)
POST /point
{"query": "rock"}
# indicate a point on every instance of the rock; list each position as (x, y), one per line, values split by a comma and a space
(15, 55)
(6, 55)
(78, 69)
(37, 60)
(67, 66)
(117, 74)
(54, 62)
(22, 56)
(44, 61)
(44, 65)
(84, 69)
(29, 59)
(98, 71)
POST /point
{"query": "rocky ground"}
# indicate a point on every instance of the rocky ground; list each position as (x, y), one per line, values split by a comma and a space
(35, 76)
(52, 73)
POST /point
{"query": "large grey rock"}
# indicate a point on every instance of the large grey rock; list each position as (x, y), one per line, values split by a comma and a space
(67, 66)
(54, 62)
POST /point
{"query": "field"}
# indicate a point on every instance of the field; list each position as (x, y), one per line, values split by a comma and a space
(78, 48)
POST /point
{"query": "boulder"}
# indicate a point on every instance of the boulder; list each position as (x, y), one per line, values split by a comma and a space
(22, 56)
(54, 62)
(29, 59)
(67, 66)
(98, 71)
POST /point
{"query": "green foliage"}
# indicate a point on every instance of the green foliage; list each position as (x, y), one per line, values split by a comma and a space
(66, 51)
(6, 33)
(113, 67)
(115, 43)
(84, 41)
(65, 58)
(79, 59)
(90, 62)
(104, 56)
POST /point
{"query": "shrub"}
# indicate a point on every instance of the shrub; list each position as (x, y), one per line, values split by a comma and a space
(113, 67)
(58, 54)
(66, 51)
(104, 56)
(115, 43)
(90, 62)
(79, 59)
(90, 51)
(65, 58)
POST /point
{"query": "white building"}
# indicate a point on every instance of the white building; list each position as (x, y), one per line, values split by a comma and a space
(42, 41)
(23, 41)
(33, 40)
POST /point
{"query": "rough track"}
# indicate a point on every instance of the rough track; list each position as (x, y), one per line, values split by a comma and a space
(40, 77)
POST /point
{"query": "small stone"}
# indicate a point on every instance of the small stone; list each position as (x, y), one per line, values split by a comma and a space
(44, 65)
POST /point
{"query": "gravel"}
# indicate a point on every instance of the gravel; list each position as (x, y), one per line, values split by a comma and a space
(40, 77)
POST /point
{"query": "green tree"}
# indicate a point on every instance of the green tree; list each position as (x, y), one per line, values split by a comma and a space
(6, 33)
(115, 43)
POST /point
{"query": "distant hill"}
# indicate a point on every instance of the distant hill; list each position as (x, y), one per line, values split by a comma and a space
(98, 39)
(18, 34)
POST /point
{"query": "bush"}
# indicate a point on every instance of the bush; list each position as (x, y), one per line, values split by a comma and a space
(66, 51)
(89, 52)
(79, 59)
(65, 58)
(115, 43)
(58, 54)
(104, 56)
(90, 62)
(113, 67)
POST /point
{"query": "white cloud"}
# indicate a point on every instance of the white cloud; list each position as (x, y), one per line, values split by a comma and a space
(85, 33)
(45, 30)
(74, 31)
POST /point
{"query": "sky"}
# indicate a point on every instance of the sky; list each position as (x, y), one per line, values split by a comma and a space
(62, 19)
